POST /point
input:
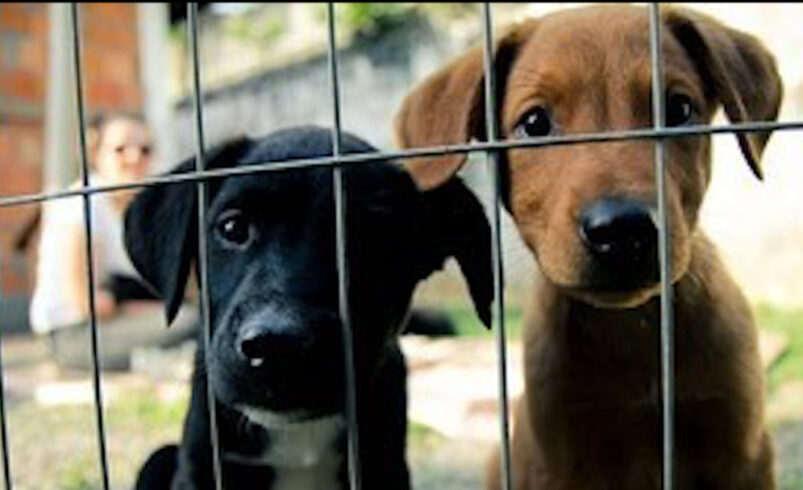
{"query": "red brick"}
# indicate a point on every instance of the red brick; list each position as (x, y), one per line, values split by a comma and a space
(39, 20)
(21, 144)
(104, 94)
(23, 18)
(111, 94)
(10, 156)
(111, 73)
(31, 149)
(5, 140)
(110, 11)
(33, 54)
(133, 97)
(17, 277)
(123, 70)
(94, 62)
(20, 179)
(15, 16)
(21, 84)
(121, 17)
(112, 82)
(110, 65)
(22, 166)
(116, 36)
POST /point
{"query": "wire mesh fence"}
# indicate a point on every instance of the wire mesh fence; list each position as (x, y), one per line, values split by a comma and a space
(491, 147)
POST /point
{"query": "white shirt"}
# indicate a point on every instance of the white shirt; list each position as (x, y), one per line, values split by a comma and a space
(49, 308)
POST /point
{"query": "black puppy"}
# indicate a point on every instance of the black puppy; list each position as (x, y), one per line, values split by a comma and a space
(276, 365)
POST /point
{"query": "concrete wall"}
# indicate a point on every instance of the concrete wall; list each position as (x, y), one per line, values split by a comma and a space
(373, 79)
(756, 225)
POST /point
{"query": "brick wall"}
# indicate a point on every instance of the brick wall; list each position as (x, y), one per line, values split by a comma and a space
(111, 67)
(111, 76)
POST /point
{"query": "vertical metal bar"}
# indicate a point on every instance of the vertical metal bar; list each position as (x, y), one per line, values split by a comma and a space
(94, 332)
(3, 427)
(192, 32)
(667, 320)
(496, 244)
(342, 266)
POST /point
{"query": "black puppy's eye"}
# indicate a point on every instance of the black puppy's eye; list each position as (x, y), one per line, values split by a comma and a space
(534, 123)
(235, 229)
(679, 109)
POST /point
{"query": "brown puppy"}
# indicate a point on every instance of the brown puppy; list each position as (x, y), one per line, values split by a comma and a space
(590, 417)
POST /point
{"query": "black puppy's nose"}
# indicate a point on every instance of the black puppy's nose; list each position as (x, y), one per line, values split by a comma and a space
(619, 231)
(258, 342)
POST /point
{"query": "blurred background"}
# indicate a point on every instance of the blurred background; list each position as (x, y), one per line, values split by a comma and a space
(264, 67)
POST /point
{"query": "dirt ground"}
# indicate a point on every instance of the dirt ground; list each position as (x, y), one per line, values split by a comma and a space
(465, 413)
(453, 414)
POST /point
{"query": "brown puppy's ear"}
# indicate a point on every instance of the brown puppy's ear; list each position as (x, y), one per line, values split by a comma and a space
(448, 108)
(737, 69)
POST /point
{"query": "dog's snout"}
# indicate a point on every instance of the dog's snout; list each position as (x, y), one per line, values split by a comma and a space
(619, 231)
(259, 341)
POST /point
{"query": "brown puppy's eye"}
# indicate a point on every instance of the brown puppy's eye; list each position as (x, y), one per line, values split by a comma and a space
(679, 109)
(235, 229)
(535, 122)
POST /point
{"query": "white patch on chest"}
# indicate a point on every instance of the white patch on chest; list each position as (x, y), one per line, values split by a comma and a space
(303, 455)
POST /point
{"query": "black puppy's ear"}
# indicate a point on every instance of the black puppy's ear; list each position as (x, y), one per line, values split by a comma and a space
(161, 227)
(459, 227)
(161, 236)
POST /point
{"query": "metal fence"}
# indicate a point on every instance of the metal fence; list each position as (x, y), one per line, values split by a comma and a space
(658, 133)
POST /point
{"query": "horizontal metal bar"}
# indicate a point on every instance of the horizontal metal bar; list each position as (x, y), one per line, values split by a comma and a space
(602, 137)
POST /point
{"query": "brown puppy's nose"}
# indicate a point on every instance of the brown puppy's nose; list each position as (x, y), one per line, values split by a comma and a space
(619, 232)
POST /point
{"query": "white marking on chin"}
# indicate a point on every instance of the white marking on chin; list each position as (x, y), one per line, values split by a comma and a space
(301, 451)
(272, 420)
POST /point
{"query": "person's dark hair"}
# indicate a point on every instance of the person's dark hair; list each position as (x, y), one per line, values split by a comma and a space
(97, 123)
(95, 126)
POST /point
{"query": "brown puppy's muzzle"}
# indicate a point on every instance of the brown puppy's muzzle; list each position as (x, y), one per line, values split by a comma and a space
(621, 239)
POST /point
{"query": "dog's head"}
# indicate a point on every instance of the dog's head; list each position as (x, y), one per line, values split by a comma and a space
(588, 212)
(273, 281)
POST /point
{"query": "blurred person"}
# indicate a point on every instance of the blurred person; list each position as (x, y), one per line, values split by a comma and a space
(129, 314)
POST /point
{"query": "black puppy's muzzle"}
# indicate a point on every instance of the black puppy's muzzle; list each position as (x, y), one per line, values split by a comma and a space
(280, 355)
(273, 337)
(622, 240)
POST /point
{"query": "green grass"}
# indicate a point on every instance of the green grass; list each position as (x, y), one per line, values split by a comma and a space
(789, 323)
(145, 408)
(79, 474)
(468, 325)
(422, 438)
(785, 321)
(792, 481)
(55, 447)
